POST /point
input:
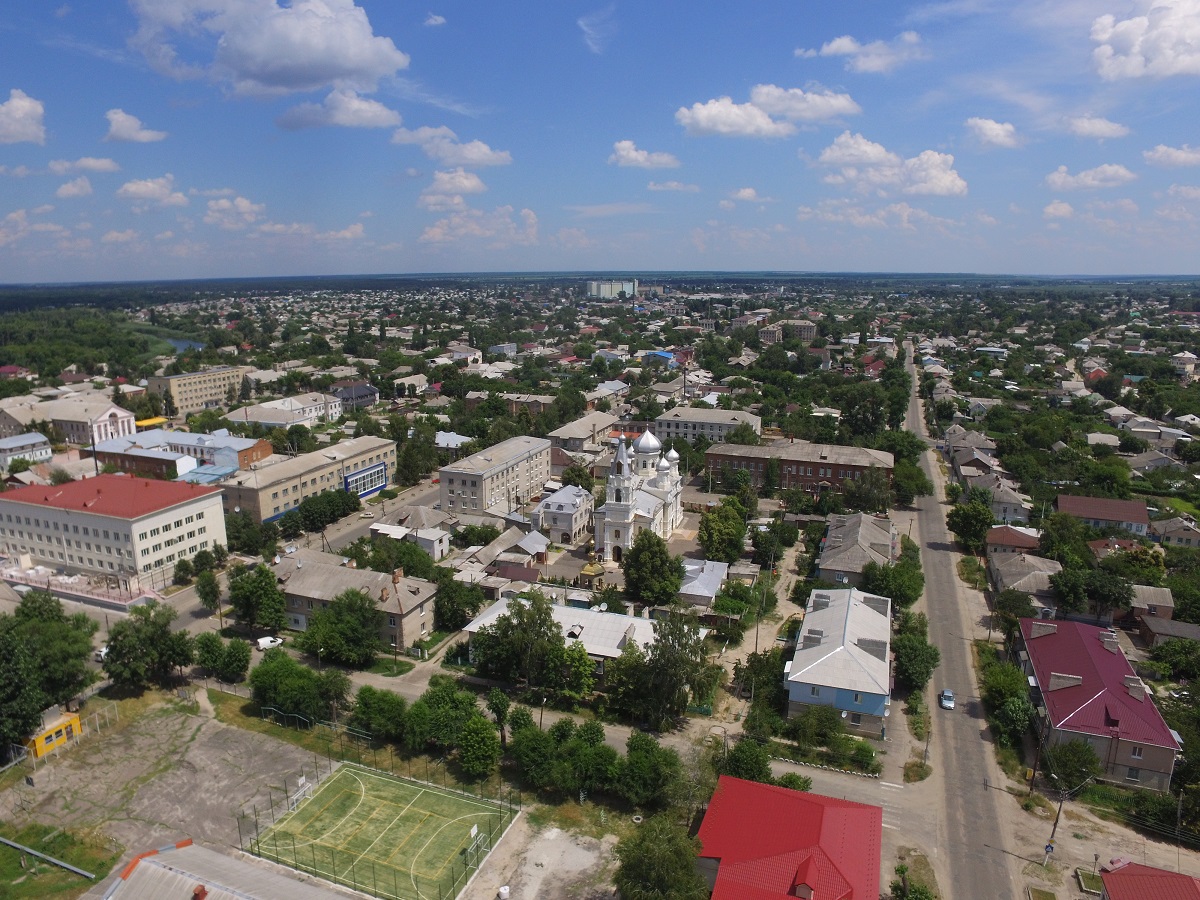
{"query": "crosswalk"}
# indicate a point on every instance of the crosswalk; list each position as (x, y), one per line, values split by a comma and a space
(890, 798)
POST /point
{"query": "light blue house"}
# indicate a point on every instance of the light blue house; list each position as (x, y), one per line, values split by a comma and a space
(843, 659)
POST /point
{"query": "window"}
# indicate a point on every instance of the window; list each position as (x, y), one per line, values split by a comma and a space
(814, 690)
(858, 698)
(391, 621)
(1136, 753)
(1133, 774)
(855, 719)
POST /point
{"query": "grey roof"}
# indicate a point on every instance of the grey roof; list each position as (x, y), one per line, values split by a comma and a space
(584, 426)
(1171, 628)
(276, 469)
(834, 454)
(19, 441)
(603, 634)
(498, 455)
(715, 416)
(846, 642)
(703, 578)
(855, 540)
(1145, 596)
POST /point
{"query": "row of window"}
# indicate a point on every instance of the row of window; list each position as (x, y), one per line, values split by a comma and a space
(165, 527)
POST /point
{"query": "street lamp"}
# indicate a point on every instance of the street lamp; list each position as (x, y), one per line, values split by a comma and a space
(542, 711)
(320, 667)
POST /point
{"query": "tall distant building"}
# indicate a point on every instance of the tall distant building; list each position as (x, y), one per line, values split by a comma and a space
(611, 290)
(644, 490)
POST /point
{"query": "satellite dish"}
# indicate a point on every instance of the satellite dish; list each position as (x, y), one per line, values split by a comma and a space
(603, 607)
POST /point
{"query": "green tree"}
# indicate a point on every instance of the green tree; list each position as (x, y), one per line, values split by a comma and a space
(478, 747)
(1138, 565)
(1064, 538)
(1001, 682)
(909, 481)
(346, 631)
(749, 760)
(870, 492)
(578, 475)
(455, 604)
(183, 572)
(722, 532)
(658, 862)
(209, 651)
(235, 661)
(794, 781)
(535, 752)
(521, 643)
(1009, 607)
(652, 575)
(1013, 718)
(970, 523)
(256, 598)
(647, 771)
(381, 714)
(142, 648)
(498, 705)
(743, 433)
(208, 589)
(674, 666)
(1070, 589)
(901, 582)
(915, 661)
(1073, 763)
(291, 526)
(21, 699)
(60, 644)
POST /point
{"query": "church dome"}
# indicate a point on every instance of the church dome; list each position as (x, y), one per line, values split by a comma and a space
(647, 443)
(663, 465)
(672, 456)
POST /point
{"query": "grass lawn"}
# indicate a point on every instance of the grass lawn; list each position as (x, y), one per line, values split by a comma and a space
(916, 770)
(1041, 894)
(920, 870)
(390, 667)
(38, 878)
(431, 643)
(972, 572)
(1090, 882)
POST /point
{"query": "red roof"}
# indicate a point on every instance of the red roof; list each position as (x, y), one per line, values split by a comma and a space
(768, 839)
(118, 496)
(1137, 882)
(1103, 509)
(1007, 536)
(1101, 703)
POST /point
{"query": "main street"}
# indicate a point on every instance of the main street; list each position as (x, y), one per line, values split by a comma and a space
(972, 845)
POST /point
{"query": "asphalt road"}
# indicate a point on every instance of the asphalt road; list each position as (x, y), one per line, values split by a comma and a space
(972, 836)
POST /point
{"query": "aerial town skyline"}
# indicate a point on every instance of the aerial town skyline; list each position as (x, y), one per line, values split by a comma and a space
(202, 139)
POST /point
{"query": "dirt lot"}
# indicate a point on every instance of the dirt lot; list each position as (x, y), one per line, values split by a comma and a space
(550, 864)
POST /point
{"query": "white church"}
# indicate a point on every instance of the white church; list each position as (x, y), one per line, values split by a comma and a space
(644, 490)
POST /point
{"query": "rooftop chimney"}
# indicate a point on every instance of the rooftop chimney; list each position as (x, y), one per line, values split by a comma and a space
(1136, 687)
(812, 638)
(875, 647)
(820, 601)
(1038, 628)
(1109, 640)
(1059, 680)
(199, 892)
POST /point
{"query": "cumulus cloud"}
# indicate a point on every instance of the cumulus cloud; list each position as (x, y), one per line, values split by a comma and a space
(1162, 155)
(233, 215)
(991, 133)
(875, 57)
(21, 119)
(343, 107)
(798, 105)
(16, 171)
(893, 215)
(748, 195)
(124, 127)
(1184, 191)
(1095, 127)
(1059, 209)
(598, 28)
(83, 164)
(119, 237)
(724, 117)
(442, 144)
(1106, 176)
(80, 187)
(626, 153)
(1161, 42)
(868, 166)
(497, 229)
(673, 186)
(351, 232)
(148, 192)
(259, 47)
(433, 20)
(448, 190)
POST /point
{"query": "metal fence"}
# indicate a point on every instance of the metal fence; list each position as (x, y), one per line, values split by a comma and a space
(94, 725)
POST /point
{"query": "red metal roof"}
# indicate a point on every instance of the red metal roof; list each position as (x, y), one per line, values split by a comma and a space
(1137, 882)
(770, 839)
(1007, 536)
(119, 496)
(1101, 703)
(1104, 509)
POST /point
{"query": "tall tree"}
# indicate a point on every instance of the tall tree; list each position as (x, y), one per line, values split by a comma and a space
(479, 747)
(674, 666)
(208, 589)
(652, 575)
(21, 699)
(722, 532)
(60, 644)
(256, 598)
(970, 523)
(871, 492)
(346, 631)
(658, 862)
(521, 643)
(142, 649)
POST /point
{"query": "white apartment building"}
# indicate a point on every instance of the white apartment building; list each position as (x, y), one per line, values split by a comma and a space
(303, 409)
(499, 479)
(689, 422)
(134, 529)
(31, 446)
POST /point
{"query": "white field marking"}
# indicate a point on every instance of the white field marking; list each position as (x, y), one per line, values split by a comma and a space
(412, 872)
(893, 827)
(362, 793)
(491, 806)
(363, 855)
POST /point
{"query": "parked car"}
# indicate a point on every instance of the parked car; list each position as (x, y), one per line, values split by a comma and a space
(266, 643)
(366, 515)
(946, 699)
(102, 654)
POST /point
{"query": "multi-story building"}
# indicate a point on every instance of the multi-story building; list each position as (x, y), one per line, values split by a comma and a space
(499, 479)
(135, 529)
(1101, 512)
(169, 454)
(812, 467)
(612, 290)
(195, 391)
(801, 329)
(82, 420)
(591, 428)
(303, 409)
(566, 515)
(770, 334)
(30, 446)
(690, 422)
(362, 465)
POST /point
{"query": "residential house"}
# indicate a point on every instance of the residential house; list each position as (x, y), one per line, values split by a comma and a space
(1084, 689)
(843, 659)
(1008, 503)
(589, 430)
(1136, 881)
(565, 515)
(1180, 531)
(1149, 603)
(852, 541)
(358, 395)
(1008, 539)
(1101, 512)
(31, 446)
(1157, 629)
(766, 842)
(1028, 574)
(702, 581)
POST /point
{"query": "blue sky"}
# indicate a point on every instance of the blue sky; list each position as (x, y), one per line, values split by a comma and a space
(198, 138)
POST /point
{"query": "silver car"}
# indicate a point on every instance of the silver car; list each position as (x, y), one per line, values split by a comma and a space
(946, 699)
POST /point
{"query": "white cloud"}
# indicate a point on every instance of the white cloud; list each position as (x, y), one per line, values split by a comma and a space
(233, 215)
(83, 164)
(1059, 209)
(1184, 191)
(211, 192)
(1125, 206)
(609, 210)
(748, 195)
(1163, 41)
(724, 117)
(433, 20)
(21, 119)
(343, 107)
(16, 171)
(119, 237)
(875, 57)
(498, 229)
(291, 228)
(442, 144)
(124, 127)
(991, 133)
(351, 232)
(448, 188)
(726, 204)
(673, 186)
(80, 187)
(259, 47)
(152, 191)
(626, 153)
(1095, 127)
(13, 227)
(894, 215)
(43, 209)
(869, 166)
(1106, 176)
(598, 28)
(802, 106)
(1162, 155)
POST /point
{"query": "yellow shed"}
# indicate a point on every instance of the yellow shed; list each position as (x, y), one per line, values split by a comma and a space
(58, 728)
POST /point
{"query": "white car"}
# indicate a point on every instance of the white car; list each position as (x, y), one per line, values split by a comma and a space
(102, 654)
(266, 643)
(366, 515)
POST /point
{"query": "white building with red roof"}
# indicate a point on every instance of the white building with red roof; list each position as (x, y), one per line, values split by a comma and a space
(130, 529)
(763, 842)
(1103, 512)
(1085, 689)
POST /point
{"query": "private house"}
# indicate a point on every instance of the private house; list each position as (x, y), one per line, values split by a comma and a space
(702, 580)
(1084, 689)
(31, 446)
(1135, 881)
(1008, 503)
(565, 515)
(1100, 512)
(1180, 531)
(1008, 539)
(589, 430)
(765, 842)
(843, 659)
(1155, 630)
(434, 541)
(1026, 573)
(1149, 602)
(358, 395)
(851, 542)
